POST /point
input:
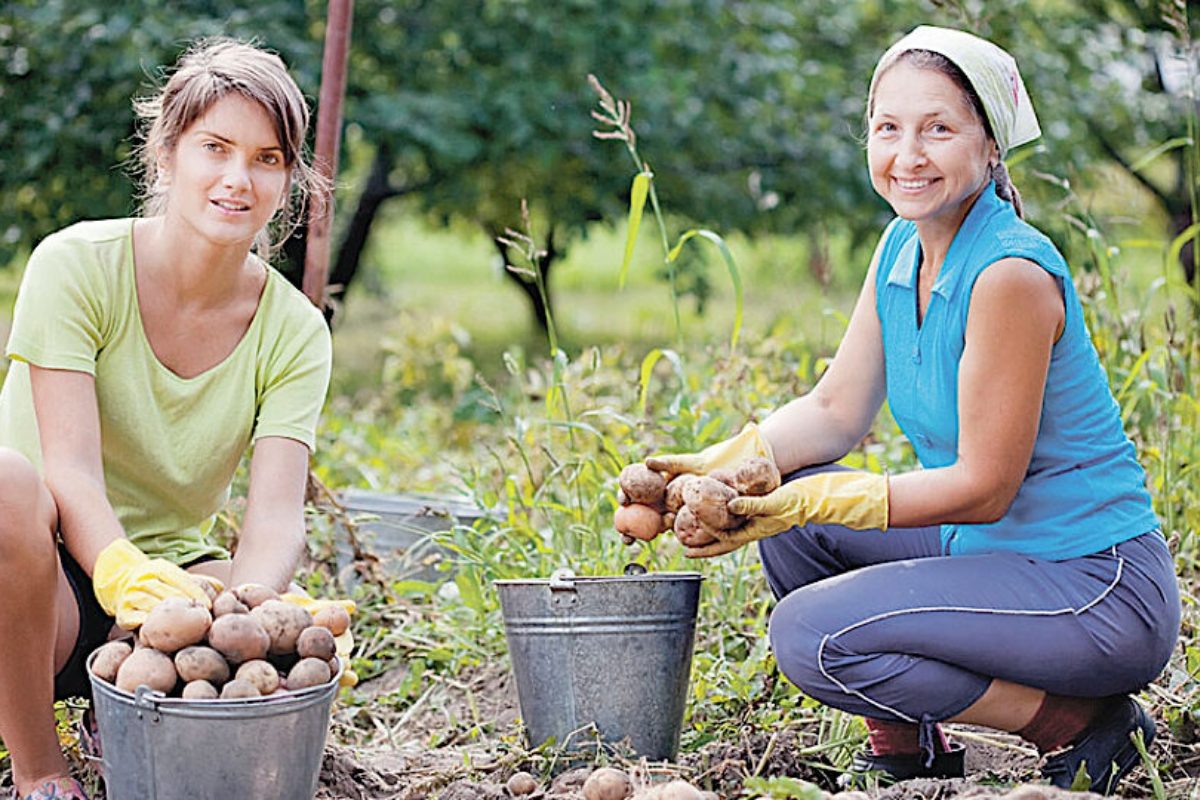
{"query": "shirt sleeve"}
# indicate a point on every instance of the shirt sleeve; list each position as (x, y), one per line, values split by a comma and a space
(297, 378)
(58, 320)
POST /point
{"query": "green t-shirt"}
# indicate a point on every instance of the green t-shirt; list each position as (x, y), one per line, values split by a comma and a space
(170, 445)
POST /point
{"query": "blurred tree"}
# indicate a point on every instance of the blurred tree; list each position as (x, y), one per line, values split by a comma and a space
(750, 112)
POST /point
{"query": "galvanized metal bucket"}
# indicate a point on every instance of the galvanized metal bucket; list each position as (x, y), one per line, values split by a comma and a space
(166, 748)
(613, 651)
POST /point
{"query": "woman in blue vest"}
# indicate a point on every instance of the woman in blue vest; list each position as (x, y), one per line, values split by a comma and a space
(1019, 580)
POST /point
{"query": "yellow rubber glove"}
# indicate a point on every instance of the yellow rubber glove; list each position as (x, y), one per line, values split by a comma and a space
(722, 455)
(128, 583)
(343, 640)
(852, 498)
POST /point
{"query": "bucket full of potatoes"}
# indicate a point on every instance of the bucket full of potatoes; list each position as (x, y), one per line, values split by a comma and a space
(232, 703)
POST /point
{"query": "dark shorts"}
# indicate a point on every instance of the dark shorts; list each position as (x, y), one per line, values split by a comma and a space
(94, 628)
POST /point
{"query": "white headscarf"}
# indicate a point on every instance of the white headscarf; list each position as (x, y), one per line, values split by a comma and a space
(992, 73)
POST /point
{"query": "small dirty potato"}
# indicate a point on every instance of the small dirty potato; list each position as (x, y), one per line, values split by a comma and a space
(725, 476)
(708, 499)
(642, 485)
(239, 637)
(308, 672)
(108, 659)
(316, 642)
(283, 622)
(757, 476)
(333, 617)
(200, 663)
(639, 521)
(607, 783)
(227, 603)
(521, 783)
(199, 690)
(674, 498)
(260, 673)
(678, 790)
(253, 595)
(147, 666)
(174, 623)
(238, 690)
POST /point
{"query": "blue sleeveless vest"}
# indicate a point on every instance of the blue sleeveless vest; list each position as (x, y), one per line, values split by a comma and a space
(1084, 489)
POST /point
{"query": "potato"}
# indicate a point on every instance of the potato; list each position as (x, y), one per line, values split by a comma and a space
(691, 531)
(674, 498)
(757, 476)
(642, 485)
(678, 790)
(708, 499)
(335, 618)
(207, 586)
(254, 595)
(725, 476)
(316, 642)
(175, 623)
(260, 673)
(200, 663)
(239, 637)
(638, 521)
(227, 603)
(108, 659)
(283, 622)
(199, 690)
(239, 690)
(520, 783)
(147, 667)
(308, 672)
(607, 783)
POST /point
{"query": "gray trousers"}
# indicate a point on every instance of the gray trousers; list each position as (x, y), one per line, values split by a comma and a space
(883, 625)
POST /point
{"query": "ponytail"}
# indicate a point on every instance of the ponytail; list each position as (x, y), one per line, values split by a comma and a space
(1005, 188)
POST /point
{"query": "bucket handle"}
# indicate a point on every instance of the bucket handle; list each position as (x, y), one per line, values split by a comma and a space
(145, 701)
(562, 587)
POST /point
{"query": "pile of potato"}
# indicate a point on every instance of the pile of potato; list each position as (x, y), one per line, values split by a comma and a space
(252, 644)
(694, 506)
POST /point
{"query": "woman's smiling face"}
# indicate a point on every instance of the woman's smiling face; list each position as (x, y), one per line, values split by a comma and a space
(226, 176)
(927, 148)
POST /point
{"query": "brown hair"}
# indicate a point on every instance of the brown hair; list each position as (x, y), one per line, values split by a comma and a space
(927, 59)
(208, 71)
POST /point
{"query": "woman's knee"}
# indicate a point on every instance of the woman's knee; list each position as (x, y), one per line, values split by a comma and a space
(797, 645)
(25, 529)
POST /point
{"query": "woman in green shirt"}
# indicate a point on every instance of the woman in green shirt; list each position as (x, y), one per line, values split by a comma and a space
(148, 355)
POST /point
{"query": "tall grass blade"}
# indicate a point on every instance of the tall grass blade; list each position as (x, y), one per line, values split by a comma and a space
(734, 275)
(1179, 242)
(637, 204)
(1165, 147)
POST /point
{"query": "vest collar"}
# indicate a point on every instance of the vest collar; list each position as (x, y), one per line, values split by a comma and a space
(904, 271)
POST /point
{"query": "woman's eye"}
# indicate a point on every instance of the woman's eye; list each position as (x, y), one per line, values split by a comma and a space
(270, 159)
(212, 147)
(939, 128)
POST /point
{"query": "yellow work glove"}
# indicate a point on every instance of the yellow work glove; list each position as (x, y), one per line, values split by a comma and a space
(128, 583)
(852, 498)
(343, 640)
(722, 455)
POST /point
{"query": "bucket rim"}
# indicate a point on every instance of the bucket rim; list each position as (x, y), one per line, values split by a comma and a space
(643, 578)
(163, 701)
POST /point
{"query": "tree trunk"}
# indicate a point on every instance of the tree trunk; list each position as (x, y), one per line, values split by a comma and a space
(354, 240)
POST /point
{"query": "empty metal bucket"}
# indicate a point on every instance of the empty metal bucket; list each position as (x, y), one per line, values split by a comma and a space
(613, 651)
(167, 748)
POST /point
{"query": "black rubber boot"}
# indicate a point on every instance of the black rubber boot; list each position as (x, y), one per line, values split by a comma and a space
(1105, 750)
(867, 768)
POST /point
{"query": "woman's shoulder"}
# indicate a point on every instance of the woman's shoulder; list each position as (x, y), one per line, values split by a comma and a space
(289, 317)
(91, 232)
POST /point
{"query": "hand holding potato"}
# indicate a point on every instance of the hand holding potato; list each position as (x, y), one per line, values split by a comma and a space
(128, 583)
(641, 496)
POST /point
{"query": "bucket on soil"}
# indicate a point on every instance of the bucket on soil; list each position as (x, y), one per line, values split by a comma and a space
(167, 748)
(397, 530)
(613, 651)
